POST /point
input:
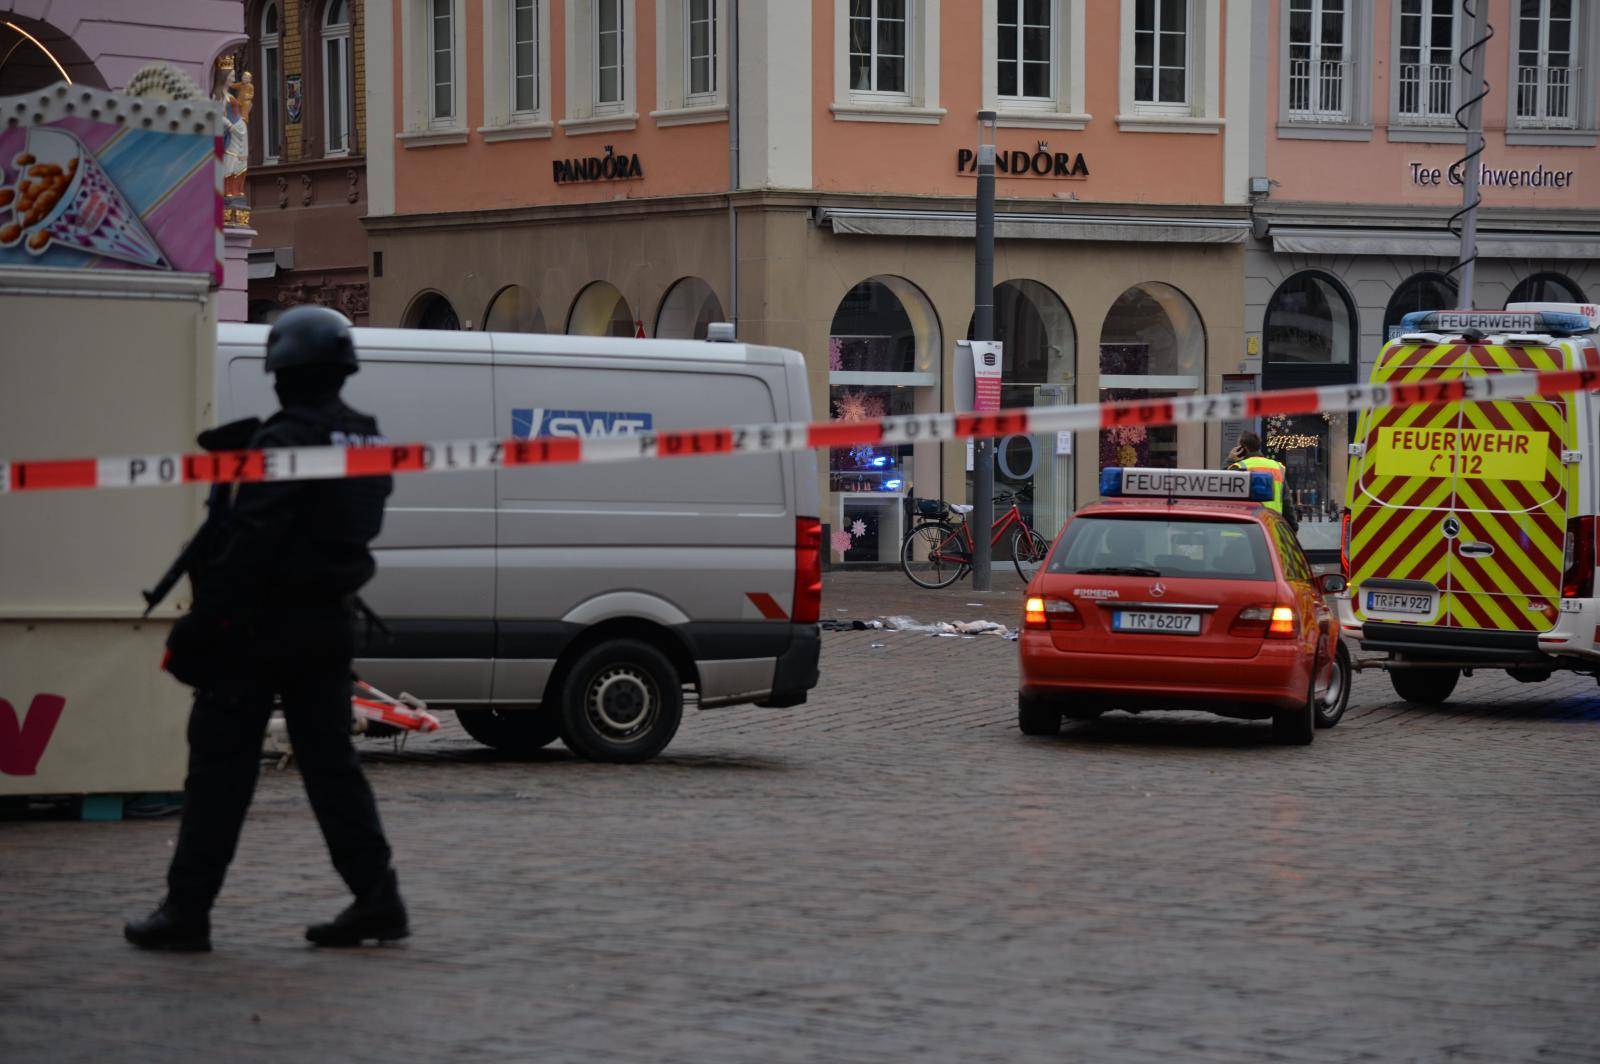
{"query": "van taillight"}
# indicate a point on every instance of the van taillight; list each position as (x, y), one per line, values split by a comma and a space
(1344, 544)
(807, 571)
(1577, 581)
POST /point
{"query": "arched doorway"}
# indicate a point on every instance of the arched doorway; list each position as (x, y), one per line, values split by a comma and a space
(513, 310)
(689, 308)
(34, 54)
(883, 354)
(1040, 357)
(1547, 288)
(1152, 346)
(600, 310)
(1309, 339)
(430, 310)
(1428, 290)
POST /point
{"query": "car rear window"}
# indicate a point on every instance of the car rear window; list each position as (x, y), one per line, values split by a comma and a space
(1160, 546)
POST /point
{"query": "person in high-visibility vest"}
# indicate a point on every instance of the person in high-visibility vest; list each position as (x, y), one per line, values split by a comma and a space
(1247, 455)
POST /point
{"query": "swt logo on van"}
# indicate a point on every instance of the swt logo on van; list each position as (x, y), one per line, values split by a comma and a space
(531, 422)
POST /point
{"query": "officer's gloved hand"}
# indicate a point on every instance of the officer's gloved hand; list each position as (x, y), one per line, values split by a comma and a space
(234, 436)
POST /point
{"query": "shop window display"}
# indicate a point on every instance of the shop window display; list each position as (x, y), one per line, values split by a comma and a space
(1039, 355)
(1309, 334)
(1152, 347)
(878, 366)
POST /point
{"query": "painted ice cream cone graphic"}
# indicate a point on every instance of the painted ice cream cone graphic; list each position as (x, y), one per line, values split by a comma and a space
(61, 196)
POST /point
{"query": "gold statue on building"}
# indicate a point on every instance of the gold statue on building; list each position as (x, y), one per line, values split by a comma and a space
(237, 97)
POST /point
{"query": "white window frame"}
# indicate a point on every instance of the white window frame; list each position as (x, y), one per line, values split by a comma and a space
(420, 128)
(435, 118)
(339, 37)
(1315, 86)
(585, 114)
(1356, 123)
(919, 103)
(1541, 87)
(271, 94)
(1202, 111)
(1426, 119)
(691, 97)
(676, 106)
(1021, 99)
(624, 30)
(536, 75)
(1585, 91)
(1064, 108)
(501, 119)
(1165, 107)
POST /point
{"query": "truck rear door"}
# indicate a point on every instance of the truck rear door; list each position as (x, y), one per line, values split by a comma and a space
(1458, 510)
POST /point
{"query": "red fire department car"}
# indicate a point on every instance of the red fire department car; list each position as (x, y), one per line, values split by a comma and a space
(1179, 590)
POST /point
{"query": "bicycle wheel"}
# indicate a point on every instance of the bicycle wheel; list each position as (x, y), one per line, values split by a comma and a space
(933, 554)
(1028, 549)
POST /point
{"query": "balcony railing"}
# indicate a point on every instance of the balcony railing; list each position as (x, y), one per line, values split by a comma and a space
(1545, 99)
(1427, 93)
(1317, 90)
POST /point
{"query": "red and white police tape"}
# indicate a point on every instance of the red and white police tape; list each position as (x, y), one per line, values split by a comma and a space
(323, 463)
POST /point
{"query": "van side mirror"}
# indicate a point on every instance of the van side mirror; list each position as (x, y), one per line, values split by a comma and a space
(1332, 583)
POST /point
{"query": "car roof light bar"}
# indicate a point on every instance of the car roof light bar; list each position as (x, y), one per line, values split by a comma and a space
(1235, 485)
(1542, 322)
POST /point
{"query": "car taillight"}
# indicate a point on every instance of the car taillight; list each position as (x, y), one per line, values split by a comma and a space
(1053, 613)
(1577, 579)
(1267, 622)
(1344, 544)
(807, 571)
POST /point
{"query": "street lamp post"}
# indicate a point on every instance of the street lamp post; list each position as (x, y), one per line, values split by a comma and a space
(983, 329)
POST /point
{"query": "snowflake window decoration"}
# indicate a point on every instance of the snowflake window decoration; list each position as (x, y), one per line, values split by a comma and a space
(858, 528)
(841, 540)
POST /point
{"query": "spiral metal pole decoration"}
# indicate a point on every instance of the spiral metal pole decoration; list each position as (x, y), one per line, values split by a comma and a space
(1463, 224)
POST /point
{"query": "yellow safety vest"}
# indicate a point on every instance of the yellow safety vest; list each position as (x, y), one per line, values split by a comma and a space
(1277, 470)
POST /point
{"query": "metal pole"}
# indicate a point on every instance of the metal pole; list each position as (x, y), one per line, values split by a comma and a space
(1475, 59)
(733, 163)
(982, 516)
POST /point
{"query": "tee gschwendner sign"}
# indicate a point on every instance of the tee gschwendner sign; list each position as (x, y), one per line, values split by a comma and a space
(1493, 176)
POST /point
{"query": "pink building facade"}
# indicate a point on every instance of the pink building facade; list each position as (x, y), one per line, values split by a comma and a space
(1196, 192)
(1356, 155)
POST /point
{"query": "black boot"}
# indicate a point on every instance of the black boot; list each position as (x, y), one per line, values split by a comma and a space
(378, 914)
(171, 928)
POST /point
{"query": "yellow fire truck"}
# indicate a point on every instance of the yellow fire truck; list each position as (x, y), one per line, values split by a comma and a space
(1469, 537)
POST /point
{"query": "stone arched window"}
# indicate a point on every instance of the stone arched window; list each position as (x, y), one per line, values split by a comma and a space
(513, 310)
(690, 306)
(1421, 291)
(1547, 288)
(601, 310)
(430, 310)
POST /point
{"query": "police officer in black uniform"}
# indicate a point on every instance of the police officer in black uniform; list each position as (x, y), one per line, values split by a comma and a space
(273, 616)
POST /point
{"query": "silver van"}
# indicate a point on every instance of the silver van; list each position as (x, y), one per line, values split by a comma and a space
(580, 601)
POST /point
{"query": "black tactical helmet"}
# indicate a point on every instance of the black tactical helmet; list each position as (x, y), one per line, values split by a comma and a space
(310, 336)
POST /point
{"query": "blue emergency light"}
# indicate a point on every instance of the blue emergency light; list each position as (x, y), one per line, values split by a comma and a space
(1237, 485)
(1534, 322)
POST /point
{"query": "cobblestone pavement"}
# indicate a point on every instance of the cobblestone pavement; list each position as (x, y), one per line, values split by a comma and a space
(890, 872)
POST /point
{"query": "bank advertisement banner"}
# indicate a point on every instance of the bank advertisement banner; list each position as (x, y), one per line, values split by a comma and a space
(96, 181)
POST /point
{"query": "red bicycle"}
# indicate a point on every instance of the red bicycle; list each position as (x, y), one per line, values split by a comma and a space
(938, 550)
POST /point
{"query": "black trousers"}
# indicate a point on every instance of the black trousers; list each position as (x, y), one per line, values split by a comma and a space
(226, 728)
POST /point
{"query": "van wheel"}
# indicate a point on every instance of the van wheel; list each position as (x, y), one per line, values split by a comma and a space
(1298, 726)
(621, 701)
(1426, 687)
(1332, 706)
(514, 731)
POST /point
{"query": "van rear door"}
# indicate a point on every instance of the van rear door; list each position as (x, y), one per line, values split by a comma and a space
(1458, 510)
(1511, 500)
